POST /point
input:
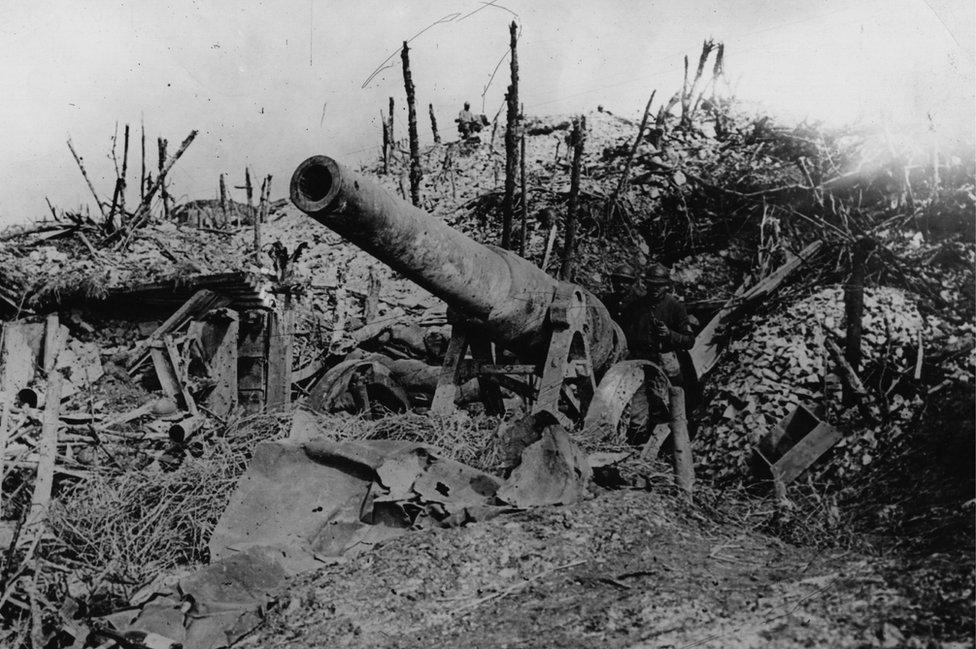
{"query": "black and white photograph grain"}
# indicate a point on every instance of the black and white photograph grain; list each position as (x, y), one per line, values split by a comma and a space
(488, 324)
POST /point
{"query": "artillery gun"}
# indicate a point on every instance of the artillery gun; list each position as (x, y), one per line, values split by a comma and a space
(547, 340)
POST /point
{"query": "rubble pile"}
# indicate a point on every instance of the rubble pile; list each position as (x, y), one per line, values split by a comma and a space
(783, 363)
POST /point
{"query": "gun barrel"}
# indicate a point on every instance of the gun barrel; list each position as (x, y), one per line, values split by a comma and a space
(507, 294)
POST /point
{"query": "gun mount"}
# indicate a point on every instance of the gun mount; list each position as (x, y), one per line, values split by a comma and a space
(562, 332)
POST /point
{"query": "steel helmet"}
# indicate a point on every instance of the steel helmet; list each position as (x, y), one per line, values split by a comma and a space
(623, 270)
(657, 275)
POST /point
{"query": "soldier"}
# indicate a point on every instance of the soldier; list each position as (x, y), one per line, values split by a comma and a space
(657, 329)
(467, 122)
(623, 291)
(657, 324)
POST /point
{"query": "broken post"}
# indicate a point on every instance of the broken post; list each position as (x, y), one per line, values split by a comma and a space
(511, 141)
(569, 246)
(684, 467)
(433, 124)
(415, 173)
(163, 194)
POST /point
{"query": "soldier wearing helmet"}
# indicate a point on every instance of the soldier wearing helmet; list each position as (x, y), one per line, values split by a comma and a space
(623, 291)
(657, 324)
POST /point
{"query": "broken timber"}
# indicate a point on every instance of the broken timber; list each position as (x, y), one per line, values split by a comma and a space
(792, 446)
(201, 302)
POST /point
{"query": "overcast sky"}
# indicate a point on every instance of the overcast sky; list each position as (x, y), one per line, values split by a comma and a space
(269, 83)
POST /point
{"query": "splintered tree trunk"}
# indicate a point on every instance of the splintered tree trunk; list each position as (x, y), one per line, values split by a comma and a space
(125, 172)
(223, 200)
(415, 173)
(142, 178)
(854, 309)
(433, 124)
(392, 139)
(255, 217)
(511, 142)
(386, 143)
(525, 196)
(161, 178)
(569, 247)
(118, 197)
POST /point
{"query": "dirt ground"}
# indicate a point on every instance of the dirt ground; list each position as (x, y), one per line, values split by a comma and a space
(623, 569)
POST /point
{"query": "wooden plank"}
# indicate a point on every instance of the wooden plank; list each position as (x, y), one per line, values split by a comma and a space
(180, 373)
(807, 451)
(447, 383)
(168, 380)
(279, 360)
(704, 354)
(47, 445)
(218, 341)
(787, 432)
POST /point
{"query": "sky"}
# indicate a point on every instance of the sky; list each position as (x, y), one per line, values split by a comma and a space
(269, 83)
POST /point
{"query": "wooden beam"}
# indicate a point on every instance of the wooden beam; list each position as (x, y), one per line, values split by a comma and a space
(202, 301)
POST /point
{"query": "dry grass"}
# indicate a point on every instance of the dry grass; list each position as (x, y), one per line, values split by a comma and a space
(118, 532)
(467, 439)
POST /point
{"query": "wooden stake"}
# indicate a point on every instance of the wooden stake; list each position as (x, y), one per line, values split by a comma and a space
(569, 247)
(415, 173)
(511, 141)
(81, 166)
